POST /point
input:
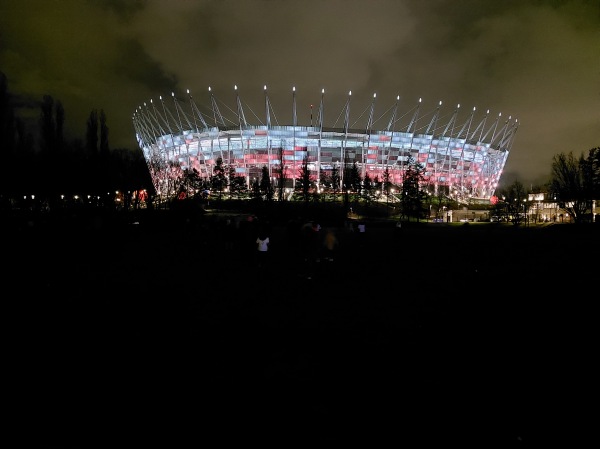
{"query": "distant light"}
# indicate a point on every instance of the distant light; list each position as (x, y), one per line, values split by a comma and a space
(350, 93)
(419, 100)
(265, 87)
(188, 91)
(458, 106)
(209, 88)
(235, 87)
(322, 91)
(374, 95)
(172, 94)
(294, 88)
(398, 98)
(440, 102)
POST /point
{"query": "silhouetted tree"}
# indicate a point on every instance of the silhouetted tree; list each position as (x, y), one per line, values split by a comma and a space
(354, 179)
(411, 197)
(107, 179)
(9, 142)
(256, 194)
(367, 188)
(130, 172)
(91, 145)
(304, 180)
(218, 180)
(266, 188)
(444, 203)
(572, 184)
(47, 125)
(91, 135)
(52, 117)
(594, 161)
(335, 179)
(352, 183)
(238, 185)
(8, 131)
(229, 175)
(387, 184)
(104, 148)
(512, 203)
(281, 175)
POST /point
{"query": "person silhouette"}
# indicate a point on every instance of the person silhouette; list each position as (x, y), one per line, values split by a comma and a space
(262, 248)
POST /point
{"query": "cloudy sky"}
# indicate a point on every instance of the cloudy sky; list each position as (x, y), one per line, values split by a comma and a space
(535, 60)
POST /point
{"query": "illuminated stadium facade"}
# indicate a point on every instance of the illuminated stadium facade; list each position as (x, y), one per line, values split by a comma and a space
(464, 157)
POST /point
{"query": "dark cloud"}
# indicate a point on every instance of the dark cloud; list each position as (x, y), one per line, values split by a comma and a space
(124, 9)
(533, 60)
(145, 72)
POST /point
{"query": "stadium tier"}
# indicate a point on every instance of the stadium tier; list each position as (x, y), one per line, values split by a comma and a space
(464, 156)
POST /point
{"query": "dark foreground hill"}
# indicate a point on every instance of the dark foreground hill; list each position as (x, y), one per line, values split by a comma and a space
(153, 329)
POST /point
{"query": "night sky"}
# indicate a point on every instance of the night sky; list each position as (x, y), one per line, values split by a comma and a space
(536, 61)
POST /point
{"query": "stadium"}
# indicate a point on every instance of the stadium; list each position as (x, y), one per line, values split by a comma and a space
(463, 157)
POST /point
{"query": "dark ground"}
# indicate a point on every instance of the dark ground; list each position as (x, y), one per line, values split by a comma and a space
(123, 334)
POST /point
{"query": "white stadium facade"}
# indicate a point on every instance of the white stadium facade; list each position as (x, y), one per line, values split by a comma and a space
(464, 156)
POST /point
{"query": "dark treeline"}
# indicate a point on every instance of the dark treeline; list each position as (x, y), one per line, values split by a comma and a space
(40, 160)
(47, 169)
(574, 186)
